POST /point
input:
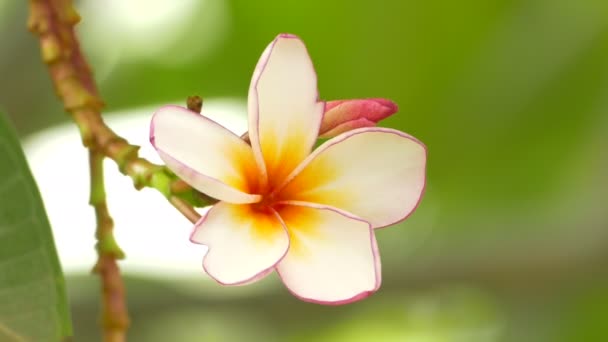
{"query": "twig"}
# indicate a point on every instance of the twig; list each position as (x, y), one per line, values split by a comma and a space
(53, 21)
(195, 103)
(115, 318)
(185, 209)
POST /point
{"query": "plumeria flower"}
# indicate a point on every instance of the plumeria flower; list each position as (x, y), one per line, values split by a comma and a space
(309, 215)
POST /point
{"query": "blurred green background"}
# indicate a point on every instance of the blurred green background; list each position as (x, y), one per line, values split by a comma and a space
(511, 97)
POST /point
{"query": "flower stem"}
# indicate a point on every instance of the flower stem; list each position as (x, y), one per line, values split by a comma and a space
(115, 318)
(53, 22)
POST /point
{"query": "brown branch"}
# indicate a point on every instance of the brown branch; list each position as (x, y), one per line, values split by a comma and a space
(115, 318)
(53, 21)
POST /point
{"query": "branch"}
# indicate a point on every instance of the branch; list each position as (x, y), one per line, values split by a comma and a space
(53, 21)
(115, 318)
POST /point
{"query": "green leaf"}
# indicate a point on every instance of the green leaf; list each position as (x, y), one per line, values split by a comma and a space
(33, 300)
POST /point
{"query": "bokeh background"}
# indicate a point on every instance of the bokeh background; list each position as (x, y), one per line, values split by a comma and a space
(511, 97)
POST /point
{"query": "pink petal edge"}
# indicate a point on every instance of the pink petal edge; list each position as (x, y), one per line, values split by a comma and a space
(257, 74)
(263, 273)
(344, 136)
(254, 197)
(389, 104)
(375, 252)
(184, 111)
(347, 126)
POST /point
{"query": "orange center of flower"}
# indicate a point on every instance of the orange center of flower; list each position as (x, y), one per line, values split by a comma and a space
(271, 194)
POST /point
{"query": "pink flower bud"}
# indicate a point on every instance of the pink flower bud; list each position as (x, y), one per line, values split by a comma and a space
(345, 115)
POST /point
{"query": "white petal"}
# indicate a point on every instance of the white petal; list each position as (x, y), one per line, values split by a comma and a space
(244, 243)
(284, 112)
(206, 155)
(332, 259)
(377, 174)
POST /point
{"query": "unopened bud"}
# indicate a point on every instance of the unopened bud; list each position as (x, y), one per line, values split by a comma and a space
(345, 115)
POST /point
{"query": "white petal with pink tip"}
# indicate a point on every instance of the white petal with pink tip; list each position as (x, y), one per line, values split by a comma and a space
(284, 115)
(333, 258)
(243, 243)
(204, 154)
(377, 174)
